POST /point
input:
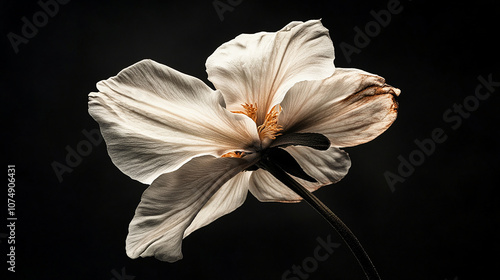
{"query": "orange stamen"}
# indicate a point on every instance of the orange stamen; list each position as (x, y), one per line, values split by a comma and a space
(236, 154)
(250, 110)
(270, 128)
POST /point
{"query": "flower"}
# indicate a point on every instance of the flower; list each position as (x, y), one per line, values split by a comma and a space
(278, 96)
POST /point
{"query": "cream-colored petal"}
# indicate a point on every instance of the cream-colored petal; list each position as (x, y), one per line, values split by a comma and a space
(172, 202)
(350, 108)
(266, 188)
(327, 167)
(260, 68)
(229, 197)
(154, 119)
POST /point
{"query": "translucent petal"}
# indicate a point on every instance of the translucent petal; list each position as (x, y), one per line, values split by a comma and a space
(350, 108)
(154, 119)
(260, 68)
(327, 167)
(172, 202)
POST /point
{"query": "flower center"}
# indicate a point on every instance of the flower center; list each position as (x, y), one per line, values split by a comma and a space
(268, 130)
(270, 127)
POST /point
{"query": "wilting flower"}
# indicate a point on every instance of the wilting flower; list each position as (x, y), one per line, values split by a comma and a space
(278, 96)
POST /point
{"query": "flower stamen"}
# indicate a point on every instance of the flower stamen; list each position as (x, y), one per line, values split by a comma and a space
(250, 110)
(270, 128)
(236, 154)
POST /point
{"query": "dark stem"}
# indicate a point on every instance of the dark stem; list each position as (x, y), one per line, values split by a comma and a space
(346, 234)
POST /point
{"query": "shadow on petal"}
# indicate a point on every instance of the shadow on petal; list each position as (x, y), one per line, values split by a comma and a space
(171, 203)
(351, 107)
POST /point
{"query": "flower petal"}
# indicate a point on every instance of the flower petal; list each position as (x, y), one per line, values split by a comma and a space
(266, 188)
(173, 201)
(229, 197)
(327, 167)
(260, 68)
(154, 119)
(350, 108)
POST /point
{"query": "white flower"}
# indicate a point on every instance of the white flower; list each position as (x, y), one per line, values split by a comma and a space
(199, 148)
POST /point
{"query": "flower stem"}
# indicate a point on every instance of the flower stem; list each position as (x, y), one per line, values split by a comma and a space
(346, 234)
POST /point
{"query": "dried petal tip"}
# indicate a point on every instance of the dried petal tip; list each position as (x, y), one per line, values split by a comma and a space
(386, 89)
(394, 91)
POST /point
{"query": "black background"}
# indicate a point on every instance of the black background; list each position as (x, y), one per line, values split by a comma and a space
(440, 223)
